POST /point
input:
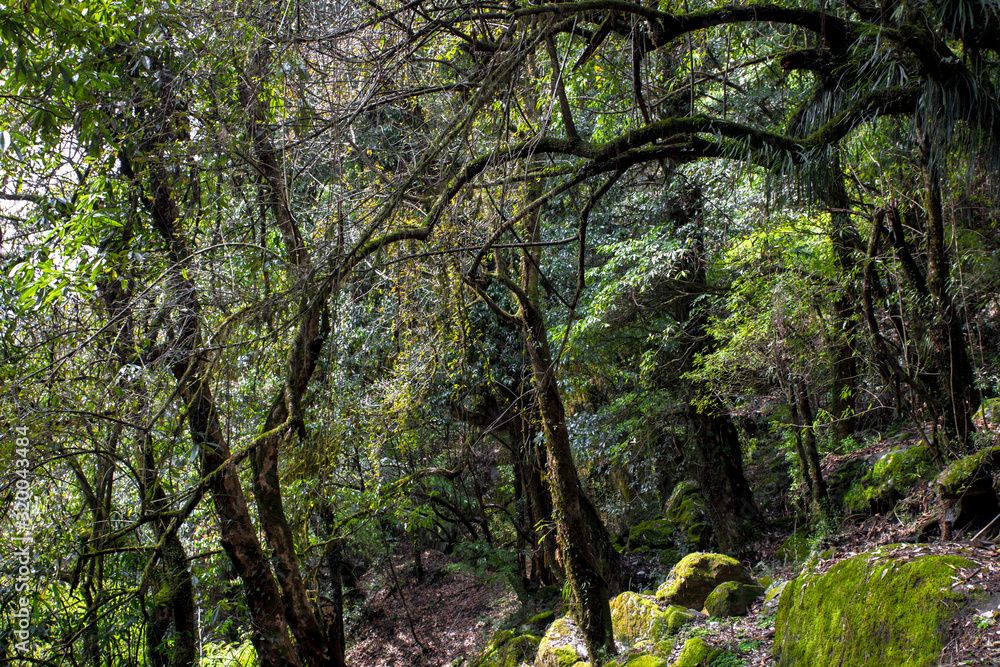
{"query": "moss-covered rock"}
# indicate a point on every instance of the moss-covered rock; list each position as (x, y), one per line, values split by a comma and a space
(772, 595)
(537, 624)
(849, 473)
(697, 575)
(731, 598)
(696, 653)
(637, 618)
(893, 474)
(684, 524)
(971, 475)
(641, 660)
(795, 548)
(969, 487)
(562, 645)
(508, 649)
(653, 534)
(687, 511)
(988, 414)
(872, 610)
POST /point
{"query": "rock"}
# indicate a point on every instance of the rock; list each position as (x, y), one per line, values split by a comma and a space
(795, 548)
(847, 474)
(731, 598)
(653, 534)
(988, 414)
(696, 653)
(507, 649)
(684, 524)
(967, 487)
(697, 575)
(772, 595)
(639, 660)
(562, 645)
(872, 610)
(893, 474)
(538, 623)
(687, 512)
(636, 618)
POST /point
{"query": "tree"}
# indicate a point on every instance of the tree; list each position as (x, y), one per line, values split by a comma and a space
(196, 226)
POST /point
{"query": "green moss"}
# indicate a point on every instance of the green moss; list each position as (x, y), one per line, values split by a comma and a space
(731, 598)
(969, 475)
(562, 645)
(636, 618)
(890, 478)
(869, 611)
(663, 648)
(654, 534)
(773, 593)
(507, 649)
(795, 548)
(697, 575)
(696, 653)
(566, 657)
(685, 510)
(678, 616)
(989, 413)
(848, 474)
(683, 524)
(645, 660)
(542, 620)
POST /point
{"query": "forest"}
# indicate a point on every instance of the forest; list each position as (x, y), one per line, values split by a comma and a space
(312, 303)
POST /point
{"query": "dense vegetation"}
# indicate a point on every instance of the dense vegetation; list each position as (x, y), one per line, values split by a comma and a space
(291, 286)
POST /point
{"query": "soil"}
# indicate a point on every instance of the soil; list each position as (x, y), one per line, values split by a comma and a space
(453, 613)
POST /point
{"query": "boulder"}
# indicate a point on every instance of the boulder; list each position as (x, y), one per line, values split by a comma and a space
(731, 598)
(636, 618)
(652, 534)
(795, 548)
(696, 653)
(891, 606)
(562, 645)
(849, 472)
(697, 575)
(772, 595)
(639, 660)
(988, 414)
(507, 649)
(683, 525)
(687, 512)
(892, 475)
(968, 491)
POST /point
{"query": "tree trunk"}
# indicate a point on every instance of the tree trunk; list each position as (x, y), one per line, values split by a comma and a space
(174, 601)
(955, 377)
(238, 533)
(591, 593)
(714, 451)
(843, 388)
(718, 468)
(800, 451)
(302, 617)
(590, 590)
(818, 485)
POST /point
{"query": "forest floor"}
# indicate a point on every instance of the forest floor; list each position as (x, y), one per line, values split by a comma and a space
(450, 615)
(454, 612)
